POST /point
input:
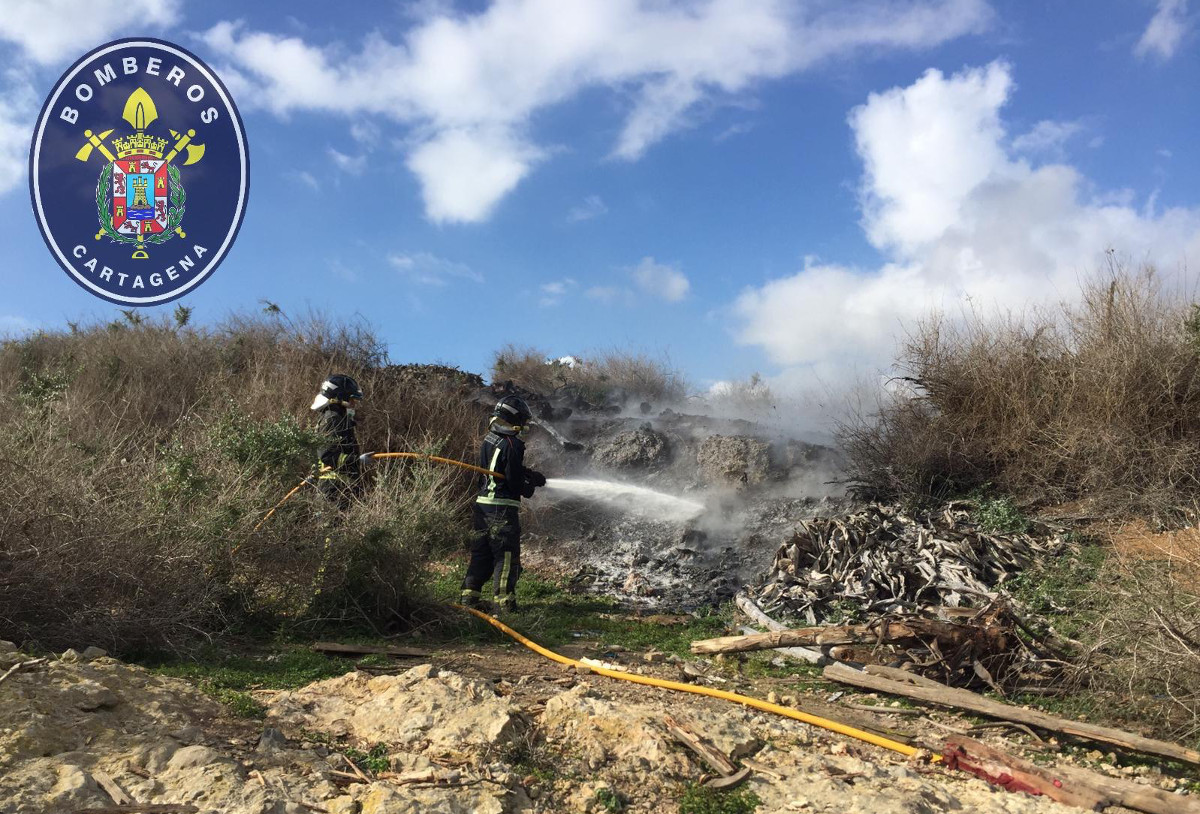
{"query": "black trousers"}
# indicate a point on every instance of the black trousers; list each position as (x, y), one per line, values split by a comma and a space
(496, 552)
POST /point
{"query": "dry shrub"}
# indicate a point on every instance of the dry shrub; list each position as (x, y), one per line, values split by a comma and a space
(606, 377)
(1150, 632)
(139, 455)
(1099, 399)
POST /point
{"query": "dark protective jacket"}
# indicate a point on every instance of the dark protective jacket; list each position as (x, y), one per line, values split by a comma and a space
(504, 454)
(338, 459)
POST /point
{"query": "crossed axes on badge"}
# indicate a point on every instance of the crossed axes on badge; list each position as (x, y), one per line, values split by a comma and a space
(139, 112)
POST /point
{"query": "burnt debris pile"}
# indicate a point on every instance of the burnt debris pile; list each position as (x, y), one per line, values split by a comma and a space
(882, 559)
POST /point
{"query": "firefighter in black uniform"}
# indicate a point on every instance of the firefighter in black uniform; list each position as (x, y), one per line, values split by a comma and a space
(338, 461)
(496, 553)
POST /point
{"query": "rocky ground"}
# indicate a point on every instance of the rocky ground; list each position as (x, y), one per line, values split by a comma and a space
(484, 729)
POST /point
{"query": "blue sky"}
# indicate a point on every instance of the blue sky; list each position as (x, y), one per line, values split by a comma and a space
(737, 185)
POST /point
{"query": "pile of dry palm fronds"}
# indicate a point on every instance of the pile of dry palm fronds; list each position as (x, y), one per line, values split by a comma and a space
(882, 560)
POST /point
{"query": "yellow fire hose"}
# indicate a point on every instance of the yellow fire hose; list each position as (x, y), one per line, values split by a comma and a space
(814, 720)
(424, 457)
(417, 455)
(745, 700)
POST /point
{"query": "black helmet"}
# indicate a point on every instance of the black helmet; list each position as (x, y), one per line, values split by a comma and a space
(337, 389)
(512, 410)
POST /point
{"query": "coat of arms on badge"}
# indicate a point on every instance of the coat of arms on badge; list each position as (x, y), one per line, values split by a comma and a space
(139, 197)
(122, 132)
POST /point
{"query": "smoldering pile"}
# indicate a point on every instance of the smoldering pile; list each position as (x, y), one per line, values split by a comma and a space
(883, 560)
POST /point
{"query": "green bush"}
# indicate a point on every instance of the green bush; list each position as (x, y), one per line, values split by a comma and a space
(700, 800)
(267, 446)
(1000, 516)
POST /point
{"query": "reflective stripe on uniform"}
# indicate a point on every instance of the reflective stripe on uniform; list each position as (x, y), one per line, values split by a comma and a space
(504, 572)
(490, 498)
(492, 478)
(498, 501)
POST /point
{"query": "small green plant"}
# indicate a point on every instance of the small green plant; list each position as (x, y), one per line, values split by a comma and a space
(610, 799)
(240, 704)
(183, 315)
(278, 446)
(697, 799)
(375, 760)
(1000, 516)
(39, 390)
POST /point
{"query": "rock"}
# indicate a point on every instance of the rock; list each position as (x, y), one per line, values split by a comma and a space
(342, 805)
(7, 647)
(485, 798)
(188, 734)
(440, 709)
(92, 653)
(190, 757)
(89, 696)
(271, 740)
(75, 789)
(733, 459)
(70, 656)
(654, 656)
(643, 448)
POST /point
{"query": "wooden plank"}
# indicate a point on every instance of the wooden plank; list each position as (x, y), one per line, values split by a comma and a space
(760, 617)
(117, 794)
(799, 653)
(882, 633)
(717, 761)
(368, 650)
(965, 699)
(1065, 784)
(1135, 795)
(729, 781)
(906, 676)
(1016, 775)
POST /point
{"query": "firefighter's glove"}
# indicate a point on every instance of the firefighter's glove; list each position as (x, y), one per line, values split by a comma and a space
(535, 479)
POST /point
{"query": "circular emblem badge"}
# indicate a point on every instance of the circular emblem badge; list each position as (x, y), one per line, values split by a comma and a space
(139, 171)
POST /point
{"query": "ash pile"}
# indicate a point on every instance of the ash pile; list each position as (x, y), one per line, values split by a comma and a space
(753, 486)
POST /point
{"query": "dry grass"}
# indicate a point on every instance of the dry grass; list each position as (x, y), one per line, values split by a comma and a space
(138, 455)
(608, 377)
(1100, 399)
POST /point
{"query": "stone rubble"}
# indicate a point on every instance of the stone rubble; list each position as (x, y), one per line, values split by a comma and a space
(455, 745)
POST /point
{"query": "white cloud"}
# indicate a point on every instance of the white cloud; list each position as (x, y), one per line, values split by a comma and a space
(465, 172)
(305, 177)
(1046, 137)
(468, 85)
(592, 207)
(1165, 32)
(609, 294)
(350, 164)
(660, 280)
(17, 111)
(552, 293)
(980, 228)
(52, 30)
(429, 269)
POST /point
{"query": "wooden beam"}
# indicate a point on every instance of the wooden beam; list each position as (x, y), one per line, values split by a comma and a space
(1067, 785)
(117, 793)
(884, 632)
(337, 649)
(716, 760)
(965, 699)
